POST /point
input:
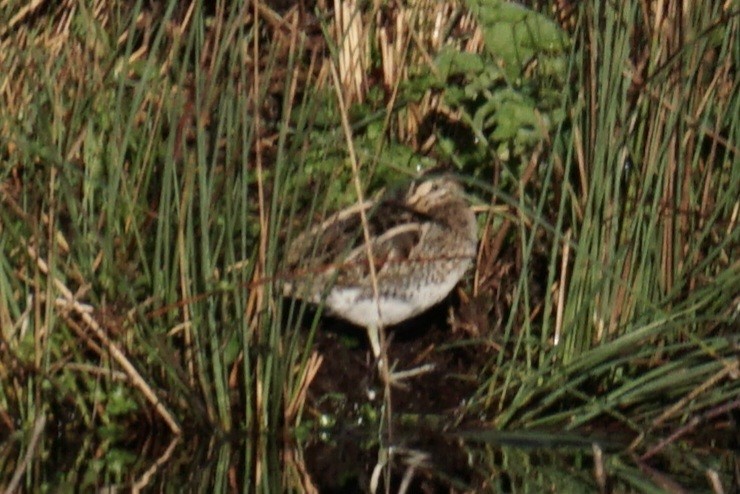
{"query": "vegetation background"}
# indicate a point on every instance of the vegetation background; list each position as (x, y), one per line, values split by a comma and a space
(155, 157)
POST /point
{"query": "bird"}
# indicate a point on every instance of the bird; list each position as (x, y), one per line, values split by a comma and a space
(421, 243)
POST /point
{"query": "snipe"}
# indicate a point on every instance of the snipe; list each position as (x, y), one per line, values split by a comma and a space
(421, 245)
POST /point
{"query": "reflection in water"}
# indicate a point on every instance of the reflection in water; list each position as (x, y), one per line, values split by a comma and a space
(420, 460)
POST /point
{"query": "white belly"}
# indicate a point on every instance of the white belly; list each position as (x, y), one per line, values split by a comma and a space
(353, 304)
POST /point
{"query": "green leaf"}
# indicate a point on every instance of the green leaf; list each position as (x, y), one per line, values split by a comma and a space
(451, 62)
(515, 35)
(120, 402)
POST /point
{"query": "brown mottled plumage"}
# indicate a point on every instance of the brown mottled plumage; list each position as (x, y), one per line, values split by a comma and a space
(421, 246)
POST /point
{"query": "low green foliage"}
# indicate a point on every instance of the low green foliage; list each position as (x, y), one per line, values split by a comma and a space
(510, 94)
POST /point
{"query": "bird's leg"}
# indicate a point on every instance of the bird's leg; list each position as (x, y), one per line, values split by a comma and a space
(397, 378)
(377, 343)
(373, 334)
(380, 350)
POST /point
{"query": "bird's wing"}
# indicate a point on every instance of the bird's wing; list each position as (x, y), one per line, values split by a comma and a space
(389, 251)
(328, 240)
(338, 243)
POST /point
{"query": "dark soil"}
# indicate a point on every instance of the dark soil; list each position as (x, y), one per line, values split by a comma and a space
(349, 390)
(350, 371)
